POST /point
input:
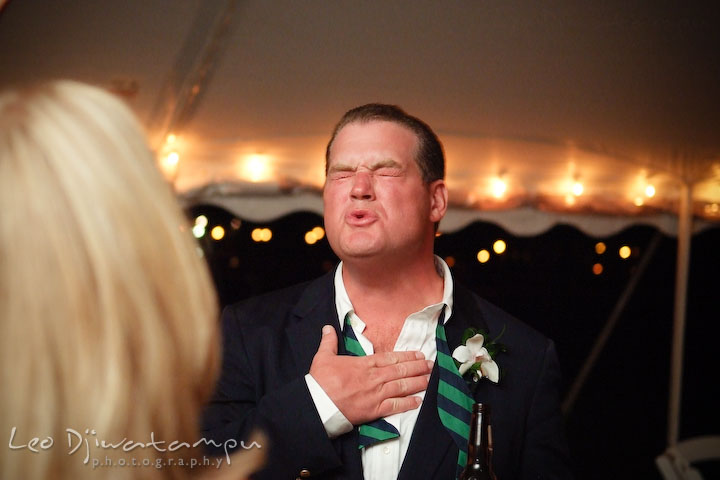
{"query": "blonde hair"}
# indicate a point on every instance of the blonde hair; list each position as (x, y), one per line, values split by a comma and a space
(108, 318)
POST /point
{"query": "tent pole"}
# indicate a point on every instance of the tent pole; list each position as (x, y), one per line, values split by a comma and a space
(681, 280)
(194, 67)
(609, 326)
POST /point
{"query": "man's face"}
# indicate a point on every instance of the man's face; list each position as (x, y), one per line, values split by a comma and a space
(376, 203)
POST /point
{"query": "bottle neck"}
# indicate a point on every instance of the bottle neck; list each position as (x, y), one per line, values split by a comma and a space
(480, 441)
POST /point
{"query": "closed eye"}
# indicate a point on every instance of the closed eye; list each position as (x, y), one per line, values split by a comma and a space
(388, 172)
(340, 174)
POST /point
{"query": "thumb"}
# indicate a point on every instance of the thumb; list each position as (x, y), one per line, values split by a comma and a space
(328, 341)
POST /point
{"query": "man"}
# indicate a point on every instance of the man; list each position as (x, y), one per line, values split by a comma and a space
(384, 195)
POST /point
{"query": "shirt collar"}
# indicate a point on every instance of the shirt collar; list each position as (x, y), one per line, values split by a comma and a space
(344, 305)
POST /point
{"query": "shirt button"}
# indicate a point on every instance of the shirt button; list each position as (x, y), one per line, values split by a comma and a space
(386, 450)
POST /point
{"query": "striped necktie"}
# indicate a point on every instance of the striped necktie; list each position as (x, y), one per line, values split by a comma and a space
(454, 400)
(377, 430)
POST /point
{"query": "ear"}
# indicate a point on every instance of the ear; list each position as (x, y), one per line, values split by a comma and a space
(438, 200)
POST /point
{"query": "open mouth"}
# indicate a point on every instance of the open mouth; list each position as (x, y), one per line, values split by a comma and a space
(361, 217)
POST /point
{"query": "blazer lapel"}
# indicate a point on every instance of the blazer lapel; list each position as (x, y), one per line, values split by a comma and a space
(315, 308)
(431, 447)
(464, 315)
(430, 443)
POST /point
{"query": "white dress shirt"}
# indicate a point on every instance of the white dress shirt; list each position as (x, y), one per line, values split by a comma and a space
(384, 459)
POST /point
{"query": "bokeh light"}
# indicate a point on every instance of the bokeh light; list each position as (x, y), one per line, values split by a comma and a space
(198, 231)
(577, 189)
(498, 187)
(319, 232)
(310, 238)
(217, 233)
(201, 220)
(483, 256)
(257, 168)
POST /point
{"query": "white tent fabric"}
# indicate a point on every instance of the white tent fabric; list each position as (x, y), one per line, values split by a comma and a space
(614, 97)
(598, 114)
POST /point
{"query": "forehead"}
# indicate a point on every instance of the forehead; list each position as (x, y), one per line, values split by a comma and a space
(376, 139)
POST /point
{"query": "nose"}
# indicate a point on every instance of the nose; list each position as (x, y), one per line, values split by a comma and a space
(362, 188)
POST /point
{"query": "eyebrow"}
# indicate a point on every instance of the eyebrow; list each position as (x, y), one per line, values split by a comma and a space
(385, 163)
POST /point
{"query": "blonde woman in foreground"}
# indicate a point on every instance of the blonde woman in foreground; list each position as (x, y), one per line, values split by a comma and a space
(108, 338)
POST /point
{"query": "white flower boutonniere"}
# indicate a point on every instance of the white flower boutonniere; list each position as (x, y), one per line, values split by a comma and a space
(475, 358)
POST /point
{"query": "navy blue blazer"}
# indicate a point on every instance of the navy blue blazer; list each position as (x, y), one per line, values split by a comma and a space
(269, 343)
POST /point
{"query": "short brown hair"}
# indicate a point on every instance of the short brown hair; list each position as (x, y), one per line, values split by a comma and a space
(430, 157)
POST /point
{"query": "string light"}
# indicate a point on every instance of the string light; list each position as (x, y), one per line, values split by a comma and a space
(625, 252)
(198, 229)
(256, 168)
(310, 238)
(483, 256)
(577, 189)
(499, 247)
(600, 248)
(261, 234)
(314, 235)
(169, 156)
(564, 193)
(169, 164)
(217, 233)
(498, 187)
(201, 220)
(319, 232)
(597, 268)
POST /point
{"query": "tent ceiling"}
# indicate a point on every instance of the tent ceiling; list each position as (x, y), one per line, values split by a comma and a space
(541, 95)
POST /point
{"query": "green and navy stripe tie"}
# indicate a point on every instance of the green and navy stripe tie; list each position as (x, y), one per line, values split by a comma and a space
(454, 400)
(377, 430)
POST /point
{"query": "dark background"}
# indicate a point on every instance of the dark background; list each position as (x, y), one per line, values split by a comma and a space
(618, 423)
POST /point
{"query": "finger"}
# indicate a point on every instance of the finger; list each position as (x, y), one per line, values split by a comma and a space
(391, 358)
(328, 341)
(404, 369)
(395, 405)
(405, 386)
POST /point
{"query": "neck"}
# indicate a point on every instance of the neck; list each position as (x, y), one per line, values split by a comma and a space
(388, 293)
